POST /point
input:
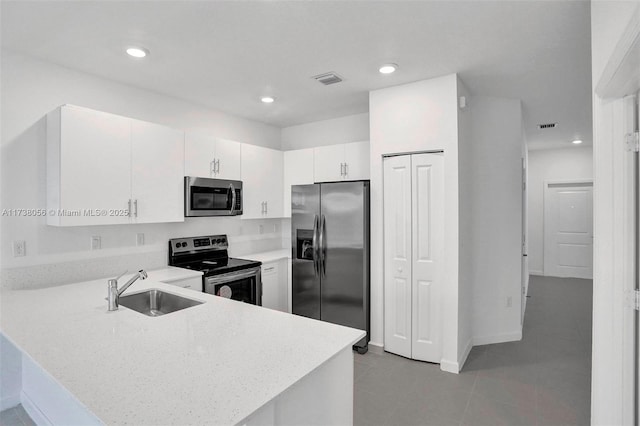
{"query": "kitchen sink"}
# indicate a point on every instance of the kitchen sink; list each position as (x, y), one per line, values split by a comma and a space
(154, 302)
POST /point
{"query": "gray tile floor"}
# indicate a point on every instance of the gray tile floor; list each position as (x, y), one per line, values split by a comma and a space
(15, 416)
(545, 379)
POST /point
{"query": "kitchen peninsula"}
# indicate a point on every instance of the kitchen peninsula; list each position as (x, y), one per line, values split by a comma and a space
(221, 362)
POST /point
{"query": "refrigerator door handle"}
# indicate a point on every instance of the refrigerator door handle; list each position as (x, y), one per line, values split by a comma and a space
(323, 246)
(316, 254)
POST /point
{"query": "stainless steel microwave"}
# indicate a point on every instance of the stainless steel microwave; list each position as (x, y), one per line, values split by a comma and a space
(212, 197)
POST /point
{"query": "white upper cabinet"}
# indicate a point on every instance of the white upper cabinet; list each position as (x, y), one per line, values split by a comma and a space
(211, 157)
(262, 182)
(341, 162)
(298, 170)
(157, 179)
(102, 169)
(356, 159)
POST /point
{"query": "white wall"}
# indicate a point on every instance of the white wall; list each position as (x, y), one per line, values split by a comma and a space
(573, 163)
(612, 383)
(465, 168)
(30, 89)
(493, 185)
(411, 118)
(351, 128)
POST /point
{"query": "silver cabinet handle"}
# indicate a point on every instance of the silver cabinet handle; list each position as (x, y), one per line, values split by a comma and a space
(346, 169)
(266, 207)
(135, 208)
(217, 166)
(341, 169)
(212, 167)
(130, 210)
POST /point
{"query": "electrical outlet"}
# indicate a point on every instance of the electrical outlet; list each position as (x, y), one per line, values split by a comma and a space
(261, 229)
(509, 301)
(140, 239)
(275, 227)
(19, 248)
(96, 242)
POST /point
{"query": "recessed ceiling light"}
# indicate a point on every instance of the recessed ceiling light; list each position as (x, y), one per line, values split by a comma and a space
(137, 52)
(577, 142)
(267, 99)
(388, 68)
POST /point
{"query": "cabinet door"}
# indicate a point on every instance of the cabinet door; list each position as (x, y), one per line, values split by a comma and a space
(273, 186)
(227, 154)
(327, 161)
(261, 182)
(357, 159)
(397, 255)
(254, 174)
(199, 153)
(94, 165)
(270, 286)
(298, 170)
(157, 180)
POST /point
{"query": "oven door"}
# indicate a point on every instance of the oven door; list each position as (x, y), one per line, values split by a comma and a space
(244, 286)
(212, 197)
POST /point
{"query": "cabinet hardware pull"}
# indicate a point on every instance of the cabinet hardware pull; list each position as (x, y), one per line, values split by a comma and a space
(135, 208)
(212, 167)
(266, 207)
(218, 166)
(341, 169)
(130, 210)
(346, 169)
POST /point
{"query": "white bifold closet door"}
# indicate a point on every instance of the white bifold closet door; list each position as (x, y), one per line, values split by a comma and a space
(413, 254)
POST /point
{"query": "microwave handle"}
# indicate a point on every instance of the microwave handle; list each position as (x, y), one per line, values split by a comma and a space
(233, 197)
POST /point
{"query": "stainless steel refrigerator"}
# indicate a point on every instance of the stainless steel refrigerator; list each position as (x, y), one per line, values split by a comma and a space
(330, 253)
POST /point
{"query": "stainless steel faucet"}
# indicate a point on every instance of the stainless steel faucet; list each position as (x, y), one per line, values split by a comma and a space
(113, 294)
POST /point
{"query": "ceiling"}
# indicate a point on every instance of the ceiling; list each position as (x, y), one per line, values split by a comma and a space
(226, 55)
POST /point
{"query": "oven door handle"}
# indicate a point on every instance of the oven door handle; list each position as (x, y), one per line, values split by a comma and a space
(231, 276)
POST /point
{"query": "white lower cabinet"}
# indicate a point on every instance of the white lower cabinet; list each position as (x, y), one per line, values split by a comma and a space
(413, 255)
(194, 283)
(275, 292)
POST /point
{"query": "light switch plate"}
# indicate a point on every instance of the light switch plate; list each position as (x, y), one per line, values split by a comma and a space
(140, 239)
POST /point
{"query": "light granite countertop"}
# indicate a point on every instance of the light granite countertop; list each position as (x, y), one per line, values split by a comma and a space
(215, 363)
(269, 256)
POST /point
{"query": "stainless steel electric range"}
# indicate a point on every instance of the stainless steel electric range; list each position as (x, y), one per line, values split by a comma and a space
(237, 279)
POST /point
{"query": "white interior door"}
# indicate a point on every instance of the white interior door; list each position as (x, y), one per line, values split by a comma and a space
(397, 255)
(568, 230)
(427, 218)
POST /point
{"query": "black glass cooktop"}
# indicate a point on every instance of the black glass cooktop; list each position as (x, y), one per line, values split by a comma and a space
(221, 266)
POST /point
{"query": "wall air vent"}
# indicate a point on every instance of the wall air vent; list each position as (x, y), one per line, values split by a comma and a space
(328, 78)
(547, 126)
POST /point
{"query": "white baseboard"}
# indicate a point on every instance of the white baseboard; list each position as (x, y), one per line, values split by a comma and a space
(33, 411)
(371, 342)
(536, 272)
(449, 366)
(497, 338)
(9, 402)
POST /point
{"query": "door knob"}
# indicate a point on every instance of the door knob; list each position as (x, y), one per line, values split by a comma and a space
(399, 269)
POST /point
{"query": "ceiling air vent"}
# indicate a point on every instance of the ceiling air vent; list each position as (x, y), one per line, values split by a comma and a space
(547, 126)
(328, 78)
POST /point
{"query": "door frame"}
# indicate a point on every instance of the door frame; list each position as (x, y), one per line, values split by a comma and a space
(567, 182)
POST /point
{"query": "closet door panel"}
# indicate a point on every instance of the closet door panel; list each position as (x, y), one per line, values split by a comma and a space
(427, 218)
(397, 255)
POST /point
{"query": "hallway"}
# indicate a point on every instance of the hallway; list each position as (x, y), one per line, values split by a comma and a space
(544, 379)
